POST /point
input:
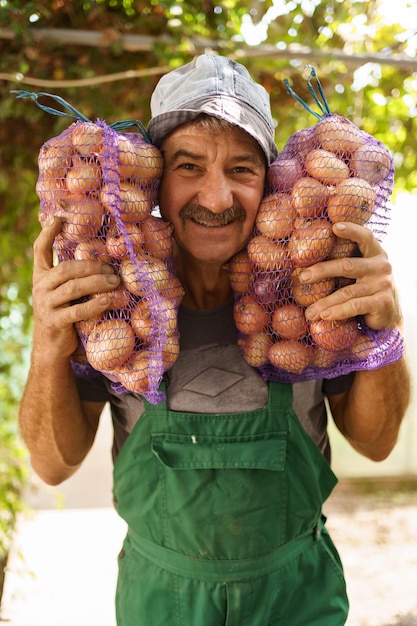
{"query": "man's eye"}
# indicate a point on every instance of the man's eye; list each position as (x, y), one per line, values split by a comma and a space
(243, 170)
(187, 166)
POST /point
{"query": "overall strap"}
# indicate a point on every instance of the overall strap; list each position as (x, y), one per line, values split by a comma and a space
(160, 408)
(280, 395)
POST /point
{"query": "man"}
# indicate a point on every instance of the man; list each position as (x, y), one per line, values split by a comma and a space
(222, 486)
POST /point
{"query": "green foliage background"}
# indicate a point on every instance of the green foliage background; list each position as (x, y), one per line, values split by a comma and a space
(379, 97)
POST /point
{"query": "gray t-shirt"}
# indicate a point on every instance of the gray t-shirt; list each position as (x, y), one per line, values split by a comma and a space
(211, 376)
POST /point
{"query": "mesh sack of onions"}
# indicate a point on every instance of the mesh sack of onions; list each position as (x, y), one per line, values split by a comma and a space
(103, 184)
(325, 174)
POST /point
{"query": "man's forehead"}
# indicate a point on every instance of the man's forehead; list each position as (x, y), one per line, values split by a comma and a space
(198, 141)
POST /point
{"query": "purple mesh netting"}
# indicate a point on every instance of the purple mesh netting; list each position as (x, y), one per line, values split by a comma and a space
(325, 174)
(104, 186)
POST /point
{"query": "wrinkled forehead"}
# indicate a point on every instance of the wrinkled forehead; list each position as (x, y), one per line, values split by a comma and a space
(204, 132)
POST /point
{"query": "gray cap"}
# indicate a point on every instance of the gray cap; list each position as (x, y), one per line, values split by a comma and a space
(217, 86)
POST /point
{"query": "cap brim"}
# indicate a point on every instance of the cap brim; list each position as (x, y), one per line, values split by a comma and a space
(161, 125)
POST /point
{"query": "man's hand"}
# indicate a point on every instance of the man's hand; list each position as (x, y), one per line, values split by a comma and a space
(57, 290)
(372, 294)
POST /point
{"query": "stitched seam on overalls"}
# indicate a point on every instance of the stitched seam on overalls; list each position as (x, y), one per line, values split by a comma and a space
(217, 570)
(331, 557)
(163, 501)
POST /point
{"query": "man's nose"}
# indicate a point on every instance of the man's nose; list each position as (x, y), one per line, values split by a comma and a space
(215, 193)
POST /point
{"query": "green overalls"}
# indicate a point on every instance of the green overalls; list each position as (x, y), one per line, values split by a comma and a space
(224, 521)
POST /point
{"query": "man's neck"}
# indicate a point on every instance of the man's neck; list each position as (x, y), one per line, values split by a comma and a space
(206, 285)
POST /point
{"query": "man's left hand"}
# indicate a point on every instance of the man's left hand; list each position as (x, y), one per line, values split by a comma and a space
(371, 293)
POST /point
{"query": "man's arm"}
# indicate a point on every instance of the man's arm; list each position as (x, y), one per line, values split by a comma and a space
(369, 415)
(56, 426)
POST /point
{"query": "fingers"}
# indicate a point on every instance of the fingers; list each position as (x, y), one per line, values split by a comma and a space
(58, 292)
(76, 276)
(369, 290)
(43, 245)
(374, 304)
(364, 237)
(66, 316)
(347, 267)
(61, 293)
(380, 310)
(71, 281)
(62, 296)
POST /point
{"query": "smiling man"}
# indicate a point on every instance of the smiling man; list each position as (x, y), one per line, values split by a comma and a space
(222, 485)
(210, 191)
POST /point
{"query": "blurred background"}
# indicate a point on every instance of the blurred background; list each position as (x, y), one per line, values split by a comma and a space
(104, 57)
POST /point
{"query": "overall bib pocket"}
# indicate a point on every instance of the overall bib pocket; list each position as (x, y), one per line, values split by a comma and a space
(217, 492)
(264, 451)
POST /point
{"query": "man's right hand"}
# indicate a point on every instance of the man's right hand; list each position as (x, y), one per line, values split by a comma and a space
(57, 290)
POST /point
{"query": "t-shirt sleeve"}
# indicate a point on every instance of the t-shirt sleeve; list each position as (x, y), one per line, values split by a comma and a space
(340, 384)
(92, 388)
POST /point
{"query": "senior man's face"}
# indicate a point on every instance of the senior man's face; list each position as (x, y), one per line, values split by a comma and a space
(211, 188)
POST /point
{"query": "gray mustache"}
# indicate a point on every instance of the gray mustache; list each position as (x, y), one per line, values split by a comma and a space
(202, 214)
